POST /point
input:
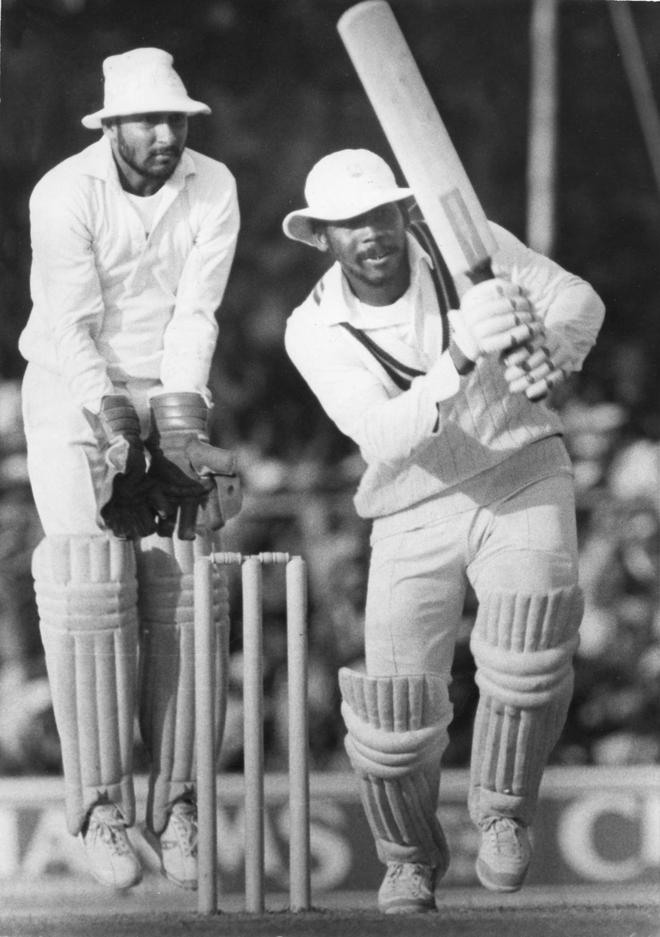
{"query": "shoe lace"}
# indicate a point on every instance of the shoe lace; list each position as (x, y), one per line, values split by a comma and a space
(107, 824)
(184, 819)
(415, 873)
(505, 834)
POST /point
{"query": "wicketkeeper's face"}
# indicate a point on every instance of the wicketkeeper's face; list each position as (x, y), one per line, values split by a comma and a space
(371, 249)
(148, 147)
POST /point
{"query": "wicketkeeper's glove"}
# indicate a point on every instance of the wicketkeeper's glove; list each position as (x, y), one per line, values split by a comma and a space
(199, 481)
(128, 501)
(495, 316)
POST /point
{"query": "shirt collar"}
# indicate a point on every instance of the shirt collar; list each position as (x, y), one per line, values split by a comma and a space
(339, 303)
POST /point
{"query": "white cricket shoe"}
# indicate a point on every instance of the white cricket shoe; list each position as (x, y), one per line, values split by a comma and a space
(112, 860)
(177, 845)
(504, 854)
(408, 887)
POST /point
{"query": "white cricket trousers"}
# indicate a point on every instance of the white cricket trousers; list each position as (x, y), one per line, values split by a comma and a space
(64, 462)
(526, 541)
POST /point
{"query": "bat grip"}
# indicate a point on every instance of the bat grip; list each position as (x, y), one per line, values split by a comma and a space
(483, 271)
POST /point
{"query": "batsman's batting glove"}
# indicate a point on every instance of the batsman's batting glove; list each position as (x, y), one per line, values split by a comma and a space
(128, 502)
(536, 367)
(199, 481)
(495, 316)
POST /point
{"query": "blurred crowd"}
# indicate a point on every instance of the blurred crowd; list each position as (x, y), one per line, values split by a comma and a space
(302, 505)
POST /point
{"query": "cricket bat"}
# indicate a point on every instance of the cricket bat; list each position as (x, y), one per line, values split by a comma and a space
(418, 138)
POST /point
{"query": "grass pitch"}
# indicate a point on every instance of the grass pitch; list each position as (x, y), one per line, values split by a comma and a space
(157, 912)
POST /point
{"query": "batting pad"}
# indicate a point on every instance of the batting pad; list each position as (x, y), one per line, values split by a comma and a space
(166, 702)
(86, 594)
(523, 646)
(397, 732)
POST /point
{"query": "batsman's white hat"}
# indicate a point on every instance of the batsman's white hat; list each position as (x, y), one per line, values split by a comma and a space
(142, 81)
(343, 185)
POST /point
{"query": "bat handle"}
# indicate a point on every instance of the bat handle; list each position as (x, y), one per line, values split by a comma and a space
(482, 271)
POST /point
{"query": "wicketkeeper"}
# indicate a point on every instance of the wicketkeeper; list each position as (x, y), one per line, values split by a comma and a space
(133, 240)
(467, 480)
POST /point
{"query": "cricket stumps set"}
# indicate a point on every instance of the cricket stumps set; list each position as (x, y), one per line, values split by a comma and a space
(253, 738)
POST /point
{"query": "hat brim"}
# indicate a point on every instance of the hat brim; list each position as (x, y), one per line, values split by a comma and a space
(163, 106)
(299, 225)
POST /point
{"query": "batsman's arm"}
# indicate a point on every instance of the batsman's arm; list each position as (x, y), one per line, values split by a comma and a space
(387, 426)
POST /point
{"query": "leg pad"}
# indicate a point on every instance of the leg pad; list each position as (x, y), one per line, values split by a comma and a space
(167, 666)
(523, 646)
(397, 732)
(86, 594)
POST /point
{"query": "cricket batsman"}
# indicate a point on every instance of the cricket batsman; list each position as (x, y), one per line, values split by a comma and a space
(467, 481)
(132, 244)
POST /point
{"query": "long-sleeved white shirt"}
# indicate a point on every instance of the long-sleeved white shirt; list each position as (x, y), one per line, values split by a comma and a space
(110, 303)
(445, 430)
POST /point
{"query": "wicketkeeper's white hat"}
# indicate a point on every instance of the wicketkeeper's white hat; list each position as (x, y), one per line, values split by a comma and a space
(142, 81)
(343, 185)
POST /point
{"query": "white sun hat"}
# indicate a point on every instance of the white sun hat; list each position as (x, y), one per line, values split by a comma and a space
(142, 81)
(343, 185)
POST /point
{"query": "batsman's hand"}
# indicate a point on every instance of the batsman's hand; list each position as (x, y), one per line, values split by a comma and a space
(128, 502)
(495, 316)
(198, 480)
(217, 467)
(536, 367)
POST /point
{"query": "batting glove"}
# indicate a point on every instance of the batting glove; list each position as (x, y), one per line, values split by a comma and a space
(536, 367)
(495, 316)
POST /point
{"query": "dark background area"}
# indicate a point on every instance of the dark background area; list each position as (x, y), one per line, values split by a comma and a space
(283, 93)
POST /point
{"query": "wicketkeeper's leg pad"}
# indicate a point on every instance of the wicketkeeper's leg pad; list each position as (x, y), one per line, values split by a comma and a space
(86, 593)
(167, 666)
(397, 732)
(523, 646)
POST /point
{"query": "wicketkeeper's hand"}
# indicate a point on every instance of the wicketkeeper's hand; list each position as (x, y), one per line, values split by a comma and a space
(536, 367)
(199, 481)
(128, 501)
(495, 316)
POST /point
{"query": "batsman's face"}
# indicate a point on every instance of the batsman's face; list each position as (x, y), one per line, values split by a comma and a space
(372, 251)
(147, 148)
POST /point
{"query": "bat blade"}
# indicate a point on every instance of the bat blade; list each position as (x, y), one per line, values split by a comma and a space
(418, 137)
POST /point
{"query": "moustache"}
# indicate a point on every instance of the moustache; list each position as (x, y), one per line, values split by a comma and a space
(168, 151)
(378, 251)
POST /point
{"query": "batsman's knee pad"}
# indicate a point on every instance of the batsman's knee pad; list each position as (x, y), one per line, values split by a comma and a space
(523, 646)
(86, 593)
(397, 732)
(167, 665)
